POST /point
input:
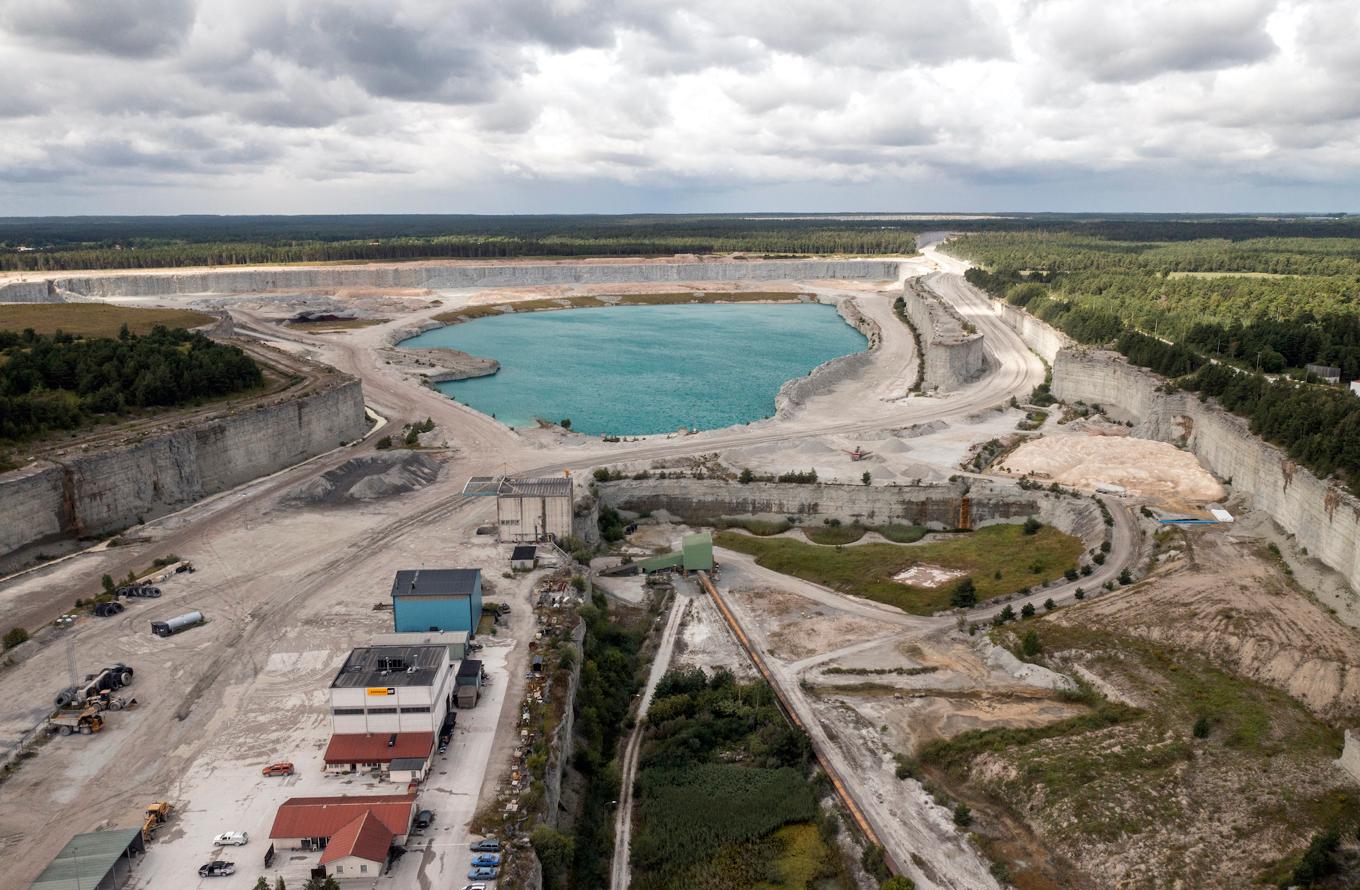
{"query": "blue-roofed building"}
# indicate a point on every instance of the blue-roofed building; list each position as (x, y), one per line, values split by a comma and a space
(437, 600)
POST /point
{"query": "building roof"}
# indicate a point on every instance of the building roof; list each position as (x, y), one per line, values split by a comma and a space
(401, 764)
(524, 551)
(664, 561)
(420, 638)
(86, 859)
(372, 747)
(366, 837)
(435, 582)
(325, 816)
(391, 666)
(509, 487)
(469, 667)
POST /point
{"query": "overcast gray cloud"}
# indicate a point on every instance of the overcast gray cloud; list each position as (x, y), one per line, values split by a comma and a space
(559, 105)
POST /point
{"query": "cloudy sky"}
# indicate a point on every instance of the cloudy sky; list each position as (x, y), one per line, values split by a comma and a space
(236, 106)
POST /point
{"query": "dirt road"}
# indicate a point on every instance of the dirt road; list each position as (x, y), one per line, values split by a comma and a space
(619, 873)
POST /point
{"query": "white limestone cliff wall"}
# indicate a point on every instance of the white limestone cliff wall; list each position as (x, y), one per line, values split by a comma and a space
(953, 356)
(453, 276)
(27, 292)
(31, 499)
(1319, 513)
(103, 491)
(935, 505)
(1042, 338)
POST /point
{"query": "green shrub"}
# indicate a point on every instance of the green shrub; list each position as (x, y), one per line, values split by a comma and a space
(965, 594)
(383, 444)
(14, 636)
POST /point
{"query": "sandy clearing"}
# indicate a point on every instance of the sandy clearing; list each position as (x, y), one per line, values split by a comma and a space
(1144, 467)
(706, 642)
(925, 575)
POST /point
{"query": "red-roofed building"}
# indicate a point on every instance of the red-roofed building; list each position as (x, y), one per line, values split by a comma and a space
(351, 752)
(359, 849)
(313, 823)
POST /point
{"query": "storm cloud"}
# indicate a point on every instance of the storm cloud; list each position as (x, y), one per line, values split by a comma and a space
(634, 105)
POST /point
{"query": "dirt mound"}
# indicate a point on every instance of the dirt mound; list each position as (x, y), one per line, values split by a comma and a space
(1144, 467)
(368, 478)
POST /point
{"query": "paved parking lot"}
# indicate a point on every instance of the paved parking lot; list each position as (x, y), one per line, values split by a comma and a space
(227, 793)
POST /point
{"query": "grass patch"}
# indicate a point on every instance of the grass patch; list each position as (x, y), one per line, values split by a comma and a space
(802, 861)
(468, 313)
(835, 534)
(867, 570)
(341, 324)
(761, 527)
(955, 754)
(95, 319)
(901, 534)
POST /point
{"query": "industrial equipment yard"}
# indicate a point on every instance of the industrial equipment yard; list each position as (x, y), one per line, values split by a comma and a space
(856, 635)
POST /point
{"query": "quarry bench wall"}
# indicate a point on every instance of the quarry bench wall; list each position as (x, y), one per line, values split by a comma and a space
(953, 355)
(436, 277)
(1319, 513)
(103, 491)
(934, 505)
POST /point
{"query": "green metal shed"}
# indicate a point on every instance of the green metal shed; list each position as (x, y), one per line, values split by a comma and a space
(657, 563)
(698, 550)
(99, 860)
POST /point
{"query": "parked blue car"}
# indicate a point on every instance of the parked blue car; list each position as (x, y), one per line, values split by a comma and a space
(482, 874)
(487, 860)
(489, 845)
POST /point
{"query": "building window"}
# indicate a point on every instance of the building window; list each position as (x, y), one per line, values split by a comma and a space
(363, 869)
(382, 710)
(339, 869)
(347, 712)
(415, 710)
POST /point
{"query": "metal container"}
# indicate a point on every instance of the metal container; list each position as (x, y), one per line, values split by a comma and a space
(177, 624)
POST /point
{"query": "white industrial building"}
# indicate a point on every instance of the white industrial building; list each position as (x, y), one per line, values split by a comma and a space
(454, 640)
(527, 509)
(392, 689)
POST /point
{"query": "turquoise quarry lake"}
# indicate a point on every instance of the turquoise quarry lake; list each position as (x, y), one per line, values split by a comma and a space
(639, 370)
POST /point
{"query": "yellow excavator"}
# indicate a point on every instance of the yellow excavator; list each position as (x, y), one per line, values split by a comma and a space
(157, 814)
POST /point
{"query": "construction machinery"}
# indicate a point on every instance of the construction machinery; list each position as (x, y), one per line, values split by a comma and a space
(157, 814)
(85, 722)
(109, 679)
(858, 454)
